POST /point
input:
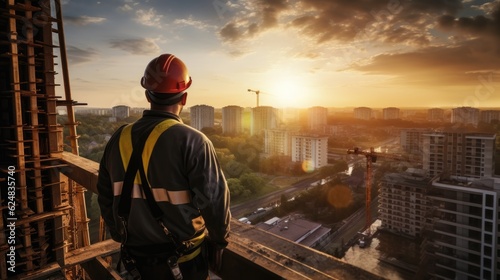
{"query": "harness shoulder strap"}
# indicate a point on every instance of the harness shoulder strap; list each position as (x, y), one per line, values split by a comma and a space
(135, 157)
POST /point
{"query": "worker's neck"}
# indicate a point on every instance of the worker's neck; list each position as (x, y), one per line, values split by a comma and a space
(174, 109)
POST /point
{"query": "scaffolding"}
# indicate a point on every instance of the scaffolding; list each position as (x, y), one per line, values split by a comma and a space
(43, 212)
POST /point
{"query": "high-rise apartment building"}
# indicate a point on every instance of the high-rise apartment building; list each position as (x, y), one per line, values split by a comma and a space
(232, 120)
(201, 116)
(435, 115)
(263, 117)
(311, 150)
(94, 111)
(468, 155)
(120, 111)
(411, 140)
(464, 239)
(488, 116)
(457, 221)
(390, 113)
(363, 113)
(317, 118)
(277, 142)
(465, 115)
(403, 203)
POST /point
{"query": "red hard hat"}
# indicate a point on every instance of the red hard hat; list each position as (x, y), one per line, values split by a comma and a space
(166, 74)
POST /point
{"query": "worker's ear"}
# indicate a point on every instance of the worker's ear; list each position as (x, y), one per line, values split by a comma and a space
(184, 99)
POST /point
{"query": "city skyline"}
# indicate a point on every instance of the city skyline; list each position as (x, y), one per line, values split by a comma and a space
(298, 54)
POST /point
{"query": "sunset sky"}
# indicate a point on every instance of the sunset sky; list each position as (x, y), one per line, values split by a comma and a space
(298, 53)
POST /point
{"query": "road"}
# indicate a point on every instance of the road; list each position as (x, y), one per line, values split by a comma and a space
(352, 225)
(244, 208)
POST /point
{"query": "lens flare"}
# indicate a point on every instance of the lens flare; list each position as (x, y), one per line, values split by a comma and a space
(340, 196)
(308, 166)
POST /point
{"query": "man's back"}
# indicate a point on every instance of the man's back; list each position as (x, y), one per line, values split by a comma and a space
(180, 183)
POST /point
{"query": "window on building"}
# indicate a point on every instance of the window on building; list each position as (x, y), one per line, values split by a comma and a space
(488, 214)
(489, 200)
(487, 238)
(487, 250)
(488, 226)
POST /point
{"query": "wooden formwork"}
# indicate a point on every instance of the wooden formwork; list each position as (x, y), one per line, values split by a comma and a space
(43, 212)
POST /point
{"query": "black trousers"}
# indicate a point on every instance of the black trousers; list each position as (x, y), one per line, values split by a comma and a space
(156, 268)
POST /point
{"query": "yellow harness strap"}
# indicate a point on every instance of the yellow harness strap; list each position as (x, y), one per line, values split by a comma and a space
(196, 243)
(126, 144)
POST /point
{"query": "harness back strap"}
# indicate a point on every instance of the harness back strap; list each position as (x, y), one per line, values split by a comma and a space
(131, 170)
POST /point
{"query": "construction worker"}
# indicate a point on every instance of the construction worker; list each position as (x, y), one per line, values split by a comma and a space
(169, 200)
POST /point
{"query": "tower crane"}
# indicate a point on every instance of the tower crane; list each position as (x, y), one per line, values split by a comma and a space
(371, 157)
(257, 92)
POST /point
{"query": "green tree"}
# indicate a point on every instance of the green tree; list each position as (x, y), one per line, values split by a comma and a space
(235, 188)
(330, 170)
(252, 182)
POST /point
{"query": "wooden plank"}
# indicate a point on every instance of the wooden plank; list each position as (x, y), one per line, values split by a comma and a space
(67, 89)
(47, 270)
(100, 249)
(92, 253)
(98, 268)
(40, 217)
(81, 170)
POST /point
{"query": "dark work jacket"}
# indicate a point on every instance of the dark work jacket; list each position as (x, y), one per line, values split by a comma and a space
(183, 161)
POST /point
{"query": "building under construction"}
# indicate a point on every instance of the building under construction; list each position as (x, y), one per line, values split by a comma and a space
(44, 225)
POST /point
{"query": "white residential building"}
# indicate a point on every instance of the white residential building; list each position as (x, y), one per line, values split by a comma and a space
(488, 116)
(120, 111)
(465, 115)
(390, 113)
(202, 116)
(403, 203)
(317, 118)
(263, 117)
(465, 240)
(311, 150)
(411, 140)
(435, 115)
(458, 221)
(468, 155)
(232, 120)
(277, 142)
(363, 113)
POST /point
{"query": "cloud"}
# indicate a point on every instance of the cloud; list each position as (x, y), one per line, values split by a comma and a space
(230, 32)
(142, 46)
(437, 66)
(148, 17)
(83, 20)
(254, 18)
(391, 21)
(190, 21)
(486, 26)
(78, 56)
(125, 8)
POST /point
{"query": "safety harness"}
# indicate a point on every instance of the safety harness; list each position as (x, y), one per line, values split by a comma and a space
(135, 161)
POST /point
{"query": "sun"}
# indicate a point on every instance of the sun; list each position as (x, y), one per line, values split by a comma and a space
(287, 91)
